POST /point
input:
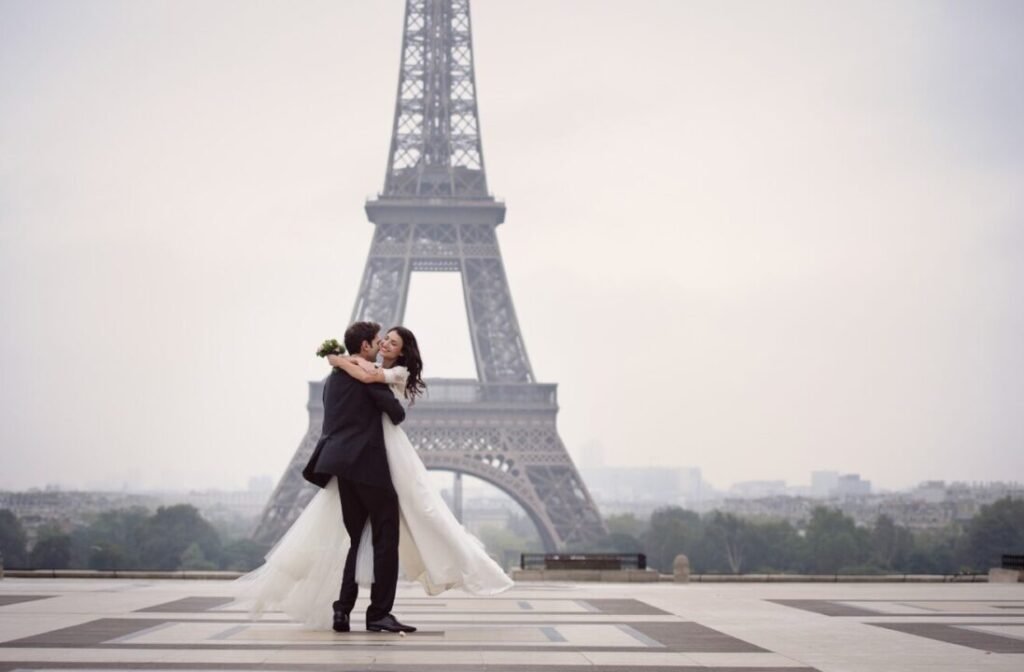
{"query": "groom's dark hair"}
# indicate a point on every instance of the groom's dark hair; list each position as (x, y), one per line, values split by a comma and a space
(359, 332)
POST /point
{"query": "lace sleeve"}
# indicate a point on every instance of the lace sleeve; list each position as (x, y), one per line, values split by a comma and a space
(396, 378)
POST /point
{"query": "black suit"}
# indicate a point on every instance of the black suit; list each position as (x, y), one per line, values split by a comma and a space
(351, 447)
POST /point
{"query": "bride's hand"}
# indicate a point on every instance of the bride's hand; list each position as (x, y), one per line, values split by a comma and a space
(335, 360)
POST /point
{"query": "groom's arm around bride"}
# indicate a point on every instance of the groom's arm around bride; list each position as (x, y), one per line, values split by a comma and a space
(384, 399)
(352, 441)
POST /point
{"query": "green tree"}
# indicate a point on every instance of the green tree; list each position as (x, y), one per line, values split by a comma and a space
(626, 523)
(193, 558)
(616, 542)
(243, 555)
(672, 531)
(12, 540)
(167, 534)
(112, 540)
(505, 546)
(834, 542)
(620, 542)
(775, 546)
(52, 549)
(996, 530)
(891, 544)
(730, 537)
(625, 533)
(934, 551)
(111, 557)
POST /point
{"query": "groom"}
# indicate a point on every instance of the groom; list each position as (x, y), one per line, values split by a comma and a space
(351, 447)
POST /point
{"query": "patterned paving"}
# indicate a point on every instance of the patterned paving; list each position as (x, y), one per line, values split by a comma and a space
(998, 636)
(184, 625)
(16, 599)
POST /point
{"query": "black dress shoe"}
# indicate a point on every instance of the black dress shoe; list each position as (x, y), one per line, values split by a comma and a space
(341, 623)
(388, 624)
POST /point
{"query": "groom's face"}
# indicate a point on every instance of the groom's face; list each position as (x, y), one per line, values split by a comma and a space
(370, 349)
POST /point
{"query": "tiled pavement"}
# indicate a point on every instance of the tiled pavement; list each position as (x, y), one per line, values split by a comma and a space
(94, 624)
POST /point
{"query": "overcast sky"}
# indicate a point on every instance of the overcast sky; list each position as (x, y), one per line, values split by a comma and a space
(759, 238)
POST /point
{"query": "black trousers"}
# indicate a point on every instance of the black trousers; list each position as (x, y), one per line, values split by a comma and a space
(359, 503)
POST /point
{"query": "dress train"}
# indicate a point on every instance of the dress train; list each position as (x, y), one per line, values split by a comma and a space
(302, 572)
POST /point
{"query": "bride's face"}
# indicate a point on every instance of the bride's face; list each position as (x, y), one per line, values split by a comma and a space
(391, 346)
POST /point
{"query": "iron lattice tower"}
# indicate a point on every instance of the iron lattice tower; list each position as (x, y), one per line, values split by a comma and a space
(436, 214)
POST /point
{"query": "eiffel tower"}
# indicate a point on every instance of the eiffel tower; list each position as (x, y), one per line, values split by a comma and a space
(436, 215)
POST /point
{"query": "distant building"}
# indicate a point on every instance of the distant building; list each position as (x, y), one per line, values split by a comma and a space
(824, 483)
(852, 485)
(216, 504)
(69, 509)
(931, 492)
(757, 489)
(828, 484)
(795, 510)
(639, 489)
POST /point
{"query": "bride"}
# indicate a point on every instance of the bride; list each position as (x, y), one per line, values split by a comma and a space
(302, 572)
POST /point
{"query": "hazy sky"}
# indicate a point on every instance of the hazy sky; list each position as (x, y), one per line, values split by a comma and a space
(760, 238)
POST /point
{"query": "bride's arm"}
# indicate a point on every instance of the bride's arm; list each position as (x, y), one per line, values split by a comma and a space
(353, 367)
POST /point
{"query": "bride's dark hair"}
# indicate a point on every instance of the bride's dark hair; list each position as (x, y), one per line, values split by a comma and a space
(410, 359)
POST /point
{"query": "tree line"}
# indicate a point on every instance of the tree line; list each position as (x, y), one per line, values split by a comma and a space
(179, 538)
(172, 538)
(829, 543)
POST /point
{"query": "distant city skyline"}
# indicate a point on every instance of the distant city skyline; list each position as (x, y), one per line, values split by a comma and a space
(265, 483)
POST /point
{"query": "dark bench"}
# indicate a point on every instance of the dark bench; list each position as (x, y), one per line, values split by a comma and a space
(1013, 562)
(583, 561)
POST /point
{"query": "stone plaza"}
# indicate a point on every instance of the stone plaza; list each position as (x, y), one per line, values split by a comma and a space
(122, 624)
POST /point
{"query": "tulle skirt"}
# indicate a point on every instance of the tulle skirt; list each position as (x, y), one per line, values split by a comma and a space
(302, 573)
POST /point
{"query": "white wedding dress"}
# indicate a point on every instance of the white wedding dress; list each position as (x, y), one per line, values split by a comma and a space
(302, 573)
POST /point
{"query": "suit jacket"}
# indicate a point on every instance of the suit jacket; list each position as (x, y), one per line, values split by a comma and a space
(351, 445)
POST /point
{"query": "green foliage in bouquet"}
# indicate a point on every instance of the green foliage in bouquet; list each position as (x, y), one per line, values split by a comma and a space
(330, 347)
